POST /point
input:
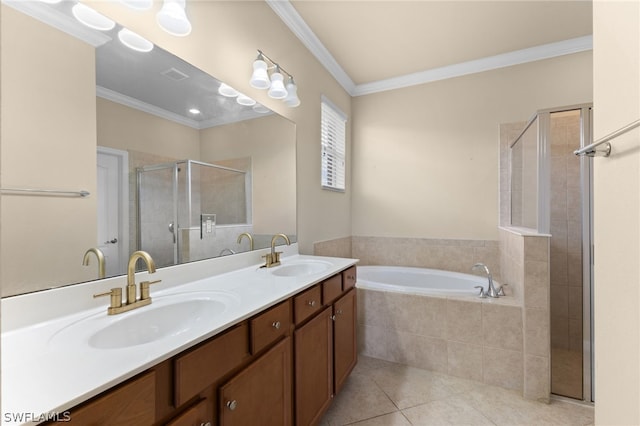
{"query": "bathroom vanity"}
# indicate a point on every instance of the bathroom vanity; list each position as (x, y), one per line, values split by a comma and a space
(277, 355)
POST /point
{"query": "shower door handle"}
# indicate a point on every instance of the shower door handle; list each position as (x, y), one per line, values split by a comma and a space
(172, 230)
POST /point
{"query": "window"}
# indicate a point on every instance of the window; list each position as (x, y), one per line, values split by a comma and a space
(332, 136)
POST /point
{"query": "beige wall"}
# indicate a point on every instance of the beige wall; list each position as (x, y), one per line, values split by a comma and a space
(45, 148)
(223, 43)
(125, 128)
(425, 158)
(617, 213)
(269, 141)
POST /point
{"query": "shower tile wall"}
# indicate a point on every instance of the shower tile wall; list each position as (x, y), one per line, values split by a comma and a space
(566, 255)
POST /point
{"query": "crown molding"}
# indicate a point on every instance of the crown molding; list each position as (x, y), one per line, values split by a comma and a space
(113, 96)
(119, 98)
(287, 13)
(292, 19)
(537, 53)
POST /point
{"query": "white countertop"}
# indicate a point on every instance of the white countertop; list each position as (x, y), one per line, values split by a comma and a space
(48, 365)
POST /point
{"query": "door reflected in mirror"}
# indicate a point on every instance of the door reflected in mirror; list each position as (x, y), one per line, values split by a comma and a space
(117, 123)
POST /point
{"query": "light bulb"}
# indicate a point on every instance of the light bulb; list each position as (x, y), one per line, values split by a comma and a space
(228, 91)
(173, 19)
(91, 18)
(134, 41)
(260, 77)
(243, 99)
(292, 98)
(261, 109)
(277, 90)
(138, 4)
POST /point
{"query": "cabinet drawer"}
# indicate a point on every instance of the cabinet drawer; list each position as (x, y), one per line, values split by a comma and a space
(306, 304)
(197, 414)
(349, 278)
(132, 403)
(270, 325)
(207, 363)
(331, 289)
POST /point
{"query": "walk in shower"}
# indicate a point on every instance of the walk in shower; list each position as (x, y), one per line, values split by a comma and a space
(189, 210)
(551, 194)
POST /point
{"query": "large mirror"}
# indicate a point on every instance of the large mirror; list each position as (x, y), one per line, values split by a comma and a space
(171, 165)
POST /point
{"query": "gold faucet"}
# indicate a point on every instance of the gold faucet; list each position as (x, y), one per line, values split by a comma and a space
(100, 256)
(273, 258)
(116, 306)
(248, 235)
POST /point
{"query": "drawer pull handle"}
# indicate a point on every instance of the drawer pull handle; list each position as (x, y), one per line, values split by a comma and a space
(276, 325)
(332, 317)
(311, 303)
(232, 405)
(205, 424)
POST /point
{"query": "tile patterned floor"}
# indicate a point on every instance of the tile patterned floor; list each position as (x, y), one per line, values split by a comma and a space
(381, 393)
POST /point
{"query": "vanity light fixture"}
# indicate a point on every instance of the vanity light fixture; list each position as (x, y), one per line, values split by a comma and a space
(92, 18)
(173, 19)
(134, 41)
(138, 4)
(260, 109)
(51, 1)
(194, 111)
(260, 79)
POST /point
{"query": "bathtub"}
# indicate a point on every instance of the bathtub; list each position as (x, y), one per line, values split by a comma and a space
(401, 279)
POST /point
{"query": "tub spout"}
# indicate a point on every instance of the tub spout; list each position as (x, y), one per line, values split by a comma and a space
(491, 290)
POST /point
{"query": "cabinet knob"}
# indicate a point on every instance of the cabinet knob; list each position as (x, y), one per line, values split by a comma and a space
(311, 303)
(232, 405)
(332, 317)
(276, 325)
(339, 312)
(205, 424)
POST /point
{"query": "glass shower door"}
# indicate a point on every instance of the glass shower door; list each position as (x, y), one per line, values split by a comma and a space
(157, 215)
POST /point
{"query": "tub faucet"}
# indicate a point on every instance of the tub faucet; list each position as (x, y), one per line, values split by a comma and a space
(491, 290)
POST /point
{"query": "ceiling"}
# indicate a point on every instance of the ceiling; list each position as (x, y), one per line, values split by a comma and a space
(371, 46)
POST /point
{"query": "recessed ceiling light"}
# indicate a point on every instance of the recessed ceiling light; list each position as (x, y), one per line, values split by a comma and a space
(91, 18)
(134, 41)
(194, 111)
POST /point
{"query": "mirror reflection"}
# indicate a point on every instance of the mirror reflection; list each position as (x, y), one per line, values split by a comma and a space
(172, 166)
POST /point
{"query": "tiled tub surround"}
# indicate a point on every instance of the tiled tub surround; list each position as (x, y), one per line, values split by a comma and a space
(502, 342)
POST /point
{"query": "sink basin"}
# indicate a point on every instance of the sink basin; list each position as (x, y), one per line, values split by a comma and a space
(167, 316)
(301, 268)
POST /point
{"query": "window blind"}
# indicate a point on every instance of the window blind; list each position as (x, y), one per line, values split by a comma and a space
(333, 134)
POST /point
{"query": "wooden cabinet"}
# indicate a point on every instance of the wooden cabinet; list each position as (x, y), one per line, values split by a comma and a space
(132, 403)
(325, 352)
(313, 368)
(261, 393)
(344, 338)
(280, 367)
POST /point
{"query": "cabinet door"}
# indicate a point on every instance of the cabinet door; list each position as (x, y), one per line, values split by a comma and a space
(345, 350)
(261, 393)
(132, 403)
(313, 344)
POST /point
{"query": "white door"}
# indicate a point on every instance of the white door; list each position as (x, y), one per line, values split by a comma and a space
(112, 213)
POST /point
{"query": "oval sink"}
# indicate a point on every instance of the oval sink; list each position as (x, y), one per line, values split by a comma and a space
(167, 316)
(301, 268)
(154, 324)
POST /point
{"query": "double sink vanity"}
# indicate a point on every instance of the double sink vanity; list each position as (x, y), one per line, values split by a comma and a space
(225, 341)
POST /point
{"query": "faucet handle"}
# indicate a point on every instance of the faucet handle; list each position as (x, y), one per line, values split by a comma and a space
(482, 294)
(116, 297)
(501, 290)
(144, 288)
